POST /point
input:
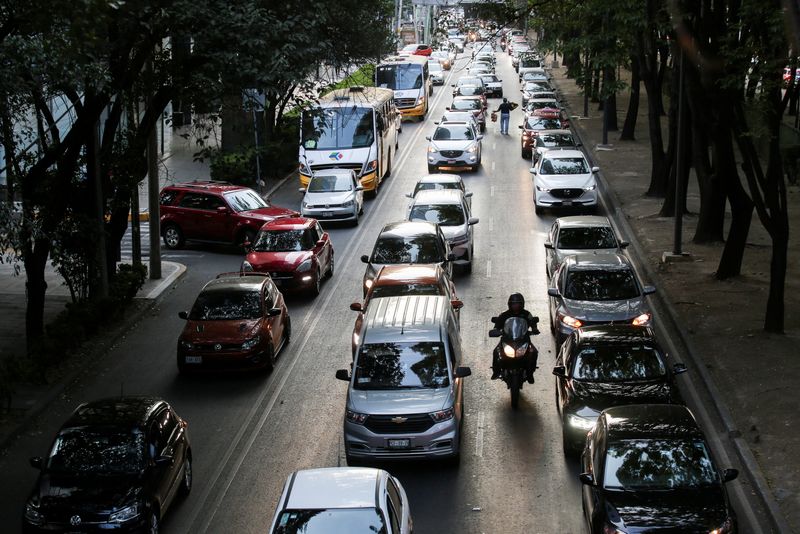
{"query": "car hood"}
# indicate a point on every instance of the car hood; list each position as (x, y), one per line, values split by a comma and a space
(401, 401)
(220, 331)
(556, 181)
(685, 511)
(74, 494)
(604, 311)
(451, 232)
(562, 253)
(601, 395)
(328, 198)
(451, 145)
(268, 214)
(277, 261)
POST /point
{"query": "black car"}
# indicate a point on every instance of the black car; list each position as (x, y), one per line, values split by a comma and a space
(609, 365)
(115, 465)
(648, 468)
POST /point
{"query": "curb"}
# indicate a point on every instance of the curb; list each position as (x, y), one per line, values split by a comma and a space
(165, 283)
(740, 446)
(144, 216)
(279, 184)
(59, 387)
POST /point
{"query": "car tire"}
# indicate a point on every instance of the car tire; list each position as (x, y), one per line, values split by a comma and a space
(538, 209)
(173, 236)
(474, 168)
(315, 289)
(271, 359)
(388, 171)
(153, 522)
(186, 479)
(568, 450)
(356, 217)
(182, 369)
(352, 462)
(287, 331)
(331, 266)
(527, 154)
(500, 95)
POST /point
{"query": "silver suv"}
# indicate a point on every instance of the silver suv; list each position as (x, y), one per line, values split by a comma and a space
(405, 398)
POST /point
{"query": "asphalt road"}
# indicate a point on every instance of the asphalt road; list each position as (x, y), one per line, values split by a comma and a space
(249, 432)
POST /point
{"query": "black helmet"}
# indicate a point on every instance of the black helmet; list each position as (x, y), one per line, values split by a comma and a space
(516, 298)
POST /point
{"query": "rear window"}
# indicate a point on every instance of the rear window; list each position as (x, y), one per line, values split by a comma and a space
(332, 520)
(601, 285)
(402, 290)
(443, 214)
(618, 363)
(586, 238)
(542, 123)
(467, 104)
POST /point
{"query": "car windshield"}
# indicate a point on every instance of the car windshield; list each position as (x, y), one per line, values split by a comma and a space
(564, 166)
(555, 140)
(401, 366)
(466, 104)
(657, 464)
(330, 184)
(338, 128)
(97, 450)
(245, 200)
(442, 214)
(547, 104)
(435, 66)
(401, 290)
(283, 241)
(470, 90)
(228, 305)
(489, 78)
(542, 123)
(458, 116)
(533, 87)
(399, 77)
(601, 285)
(469, 81)
(618, 363)
(415, 249)
(589, 237)
(453, 133)
(333, 520)
(425, 186)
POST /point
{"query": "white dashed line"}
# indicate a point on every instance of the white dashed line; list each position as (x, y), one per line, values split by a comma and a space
(488, 268)
(491, 223)
(491, 191)
(479, 436)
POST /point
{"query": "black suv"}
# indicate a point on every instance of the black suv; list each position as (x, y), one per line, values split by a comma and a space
(116, 464)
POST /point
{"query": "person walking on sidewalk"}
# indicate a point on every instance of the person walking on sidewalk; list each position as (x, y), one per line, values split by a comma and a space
(505, 112)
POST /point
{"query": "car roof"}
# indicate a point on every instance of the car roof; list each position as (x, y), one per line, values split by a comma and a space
(115, 411)
(409, 317)
(590, 261)
(441, 178)
(465, 97)
(391, 275)
(650, 421)
(408, 228)
(558, 132)
(560, 154)
(235, 281)
(210, 186)
(615, 334)
(289, 223)
(439, 196)
(579, 221)
(334, 487)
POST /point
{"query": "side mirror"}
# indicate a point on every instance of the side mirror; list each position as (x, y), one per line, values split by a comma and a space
(427, 137)
(532, 170)
(595, 169)
(560, 371)
(468, 194)
(359, 187)
(495, 332)
(579, 144)
(36, 462)
(302, 189)
(473, 220)
(586, 479)
(552, 292)
(457, 304)
(648, 290)
(365, 258)
(548, 244)
(679, 368)
(451, 257)
(343, 374)
(623, 244)
(452, 85)
(273, 312)
(320, 243)
(247, 245)
(183, 315)
(520, 127)
(729, 474)
(462, 372)
(356, 306)
(409, 195)
(479, 137)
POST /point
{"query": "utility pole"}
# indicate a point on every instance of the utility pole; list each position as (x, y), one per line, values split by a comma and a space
(152, 201)
(678, 230)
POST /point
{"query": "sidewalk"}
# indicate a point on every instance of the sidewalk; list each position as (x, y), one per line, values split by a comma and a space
(755, 374)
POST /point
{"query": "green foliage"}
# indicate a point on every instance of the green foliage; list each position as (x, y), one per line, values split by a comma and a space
(364, 76)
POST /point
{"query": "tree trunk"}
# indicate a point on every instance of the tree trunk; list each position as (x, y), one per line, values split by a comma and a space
(633, 104)
(663, 57)
(609, 80)
(682, 173)
(35, 288)
(730, 262)
(596, 86)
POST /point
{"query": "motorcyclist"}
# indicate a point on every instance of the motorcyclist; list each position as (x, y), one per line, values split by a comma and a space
(516, 308)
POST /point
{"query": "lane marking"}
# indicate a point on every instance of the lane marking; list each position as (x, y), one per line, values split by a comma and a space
(488, 268)
(493, 166)
(494, 145)
(491, 224)
(491, 191)
(479, 436)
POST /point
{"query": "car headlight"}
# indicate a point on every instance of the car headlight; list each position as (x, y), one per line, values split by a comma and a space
(542, 189)
(305, 266)
(348, 204)
(421, 100)
(725, 528)
(32, 514)
(250, 343)
(124, 514)
(642, 320)
(355, 417)
(590, 188)
(581, 423)
(305, 204)
(371, 166)
(185, 344)
(570, 321)
(472, 149)
(443, 415)
(432, 150)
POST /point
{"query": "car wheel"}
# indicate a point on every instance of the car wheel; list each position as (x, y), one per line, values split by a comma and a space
(247, 236)
(501, 95)
(186, 480)
(315, 288)
(287, 330)
(182, 369)
(352, 462)
(388, 172)
(356, 217)
(527, 154)
(153, 521)
(474, 168)
(565, 443)
(330, 267)
(173, 237)
(270, 355)
(537, 208)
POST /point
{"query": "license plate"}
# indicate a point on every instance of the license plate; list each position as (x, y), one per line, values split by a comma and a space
(194, 359)
(399, 443)
(451, 161)
(327, 214)
(567, 203)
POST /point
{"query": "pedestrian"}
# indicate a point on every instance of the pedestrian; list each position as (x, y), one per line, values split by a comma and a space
(505, 111)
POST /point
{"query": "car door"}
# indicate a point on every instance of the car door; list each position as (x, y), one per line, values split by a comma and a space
(557, 283)
(190, 213)
(454, 346)
(216, 222)
(325, 251)
(550, 253)
(162, 458)
(274, 325)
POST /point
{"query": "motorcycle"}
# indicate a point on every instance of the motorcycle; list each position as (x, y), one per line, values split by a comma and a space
(503, 44)
(517, 355)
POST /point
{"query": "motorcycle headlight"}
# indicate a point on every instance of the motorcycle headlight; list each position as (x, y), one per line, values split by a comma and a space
(443, 415)
(33, 515)
(251, 343)
(642, 320)
(725, 528)
(124, 514)
(305, 266)
(509, 351)
(579, 422)
(355, 417)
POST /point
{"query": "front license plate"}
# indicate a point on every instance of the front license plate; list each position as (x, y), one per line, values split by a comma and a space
(399, 443)
(567, 203)
(194, 359)
(327, 214)
(451, 161)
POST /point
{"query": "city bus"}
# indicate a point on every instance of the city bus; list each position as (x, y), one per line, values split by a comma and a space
(352, 128)
(408, 77)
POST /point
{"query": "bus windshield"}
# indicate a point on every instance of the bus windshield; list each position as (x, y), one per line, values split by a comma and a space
(338, 128)
(399, 77)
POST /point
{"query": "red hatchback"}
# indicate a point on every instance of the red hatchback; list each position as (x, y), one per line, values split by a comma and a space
(295, 251)
(214, 211)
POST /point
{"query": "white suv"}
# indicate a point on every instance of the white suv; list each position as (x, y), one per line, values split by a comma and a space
(563, 179)
(454, 144)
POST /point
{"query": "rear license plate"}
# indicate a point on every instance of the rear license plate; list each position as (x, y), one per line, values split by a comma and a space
(567, 203)
(327, 214)
(399, 443)
(194, 359)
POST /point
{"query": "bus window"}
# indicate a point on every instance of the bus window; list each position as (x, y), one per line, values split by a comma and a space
(400, 77)
(338, 128)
